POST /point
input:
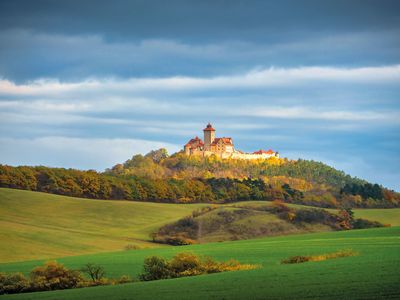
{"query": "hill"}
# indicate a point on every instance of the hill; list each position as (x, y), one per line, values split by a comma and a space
(182, 179)
(39, 225)
(373, 274)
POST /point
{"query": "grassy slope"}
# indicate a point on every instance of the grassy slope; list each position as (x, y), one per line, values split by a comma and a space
(245, 226)
(374, 274)
(37, 225)
(384, 215)
(40, 226)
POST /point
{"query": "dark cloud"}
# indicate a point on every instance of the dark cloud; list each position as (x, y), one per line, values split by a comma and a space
(26, 55)
(71, 40)
(199, 20)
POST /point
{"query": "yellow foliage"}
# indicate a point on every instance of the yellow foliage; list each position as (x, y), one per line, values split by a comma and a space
(320, 257)
(296, 183)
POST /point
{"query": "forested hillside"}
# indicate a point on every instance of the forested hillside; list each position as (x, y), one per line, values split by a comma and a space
(182, 179)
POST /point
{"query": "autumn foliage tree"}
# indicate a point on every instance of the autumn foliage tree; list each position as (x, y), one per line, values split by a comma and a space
(179, 178)
(54, 276)
(346, 217)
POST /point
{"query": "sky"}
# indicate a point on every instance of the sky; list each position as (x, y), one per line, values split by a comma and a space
(88, 84)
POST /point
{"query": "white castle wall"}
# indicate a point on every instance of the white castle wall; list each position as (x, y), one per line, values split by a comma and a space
(238, 155)
(235, 155)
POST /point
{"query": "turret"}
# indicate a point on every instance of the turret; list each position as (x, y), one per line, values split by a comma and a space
(209, 136)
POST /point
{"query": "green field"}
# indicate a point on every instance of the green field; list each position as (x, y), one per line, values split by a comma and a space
(42, 226)
(385, 216)
(38, 225)
(374, 274)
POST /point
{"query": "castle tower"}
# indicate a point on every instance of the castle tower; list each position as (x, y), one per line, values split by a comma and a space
(209, 136)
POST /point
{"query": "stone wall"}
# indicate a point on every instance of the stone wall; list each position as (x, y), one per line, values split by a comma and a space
(234, 155)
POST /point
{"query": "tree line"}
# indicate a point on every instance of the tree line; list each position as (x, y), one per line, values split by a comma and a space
(182, 179)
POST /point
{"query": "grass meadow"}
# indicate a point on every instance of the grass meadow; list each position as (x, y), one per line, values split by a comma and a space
(38, 225)
(373, 274)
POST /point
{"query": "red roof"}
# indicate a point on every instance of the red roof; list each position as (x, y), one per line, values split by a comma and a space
(209, 128)
(225, 140)
(264, 152)
(195, 142)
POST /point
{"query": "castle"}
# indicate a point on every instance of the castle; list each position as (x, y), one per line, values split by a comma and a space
(222, 147)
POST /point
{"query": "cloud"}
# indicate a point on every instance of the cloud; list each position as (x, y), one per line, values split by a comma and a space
(312, 113)
(27, 54)
(80, 153)
(259, 78)
(109, 100)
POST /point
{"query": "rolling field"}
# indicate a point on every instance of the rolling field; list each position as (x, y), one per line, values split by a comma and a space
(374, 274)
(384, 215)
(39, 226)
(42, 226)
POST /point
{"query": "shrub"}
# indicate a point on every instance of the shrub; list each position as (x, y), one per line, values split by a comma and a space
(54, 276)
(300, 259)
(234, 265)
(296, 259)
(132, 247)
(174, 240)
(363, 224)
(102, 281)
(13, 283)
(187, 264)
(155, 268)
(124, 279)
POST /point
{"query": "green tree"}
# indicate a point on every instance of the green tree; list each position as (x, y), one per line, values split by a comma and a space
(95, 272)
(155, 268)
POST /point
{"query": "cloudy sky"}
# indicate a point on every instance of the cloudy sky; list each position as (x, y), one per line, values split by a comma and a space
(87, 84)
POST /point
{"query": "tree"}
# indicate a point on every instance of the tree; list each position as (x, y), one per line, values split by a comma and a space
(155, 268)
(54, 276)
(346, 218)
(95, 272)
(157, 155)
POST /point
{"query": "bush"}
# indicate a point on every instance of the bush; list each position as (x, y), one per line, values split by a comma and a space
(296, 259)
(54, 276)
(174, 240)
(132, 247)
(124, 279)
(363, 224)
(155, 268)
(187, 264)
(13, 283)
(300, 259)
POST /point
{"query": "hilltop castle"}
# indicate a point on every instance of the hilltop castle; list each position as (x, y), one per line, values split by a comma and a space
(222, 147)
